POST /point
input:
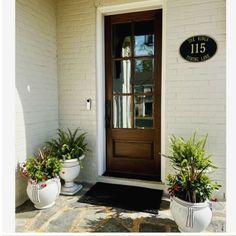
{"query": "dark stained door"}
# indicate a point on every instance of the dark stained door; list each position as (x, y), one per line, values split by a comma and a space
(133, 94)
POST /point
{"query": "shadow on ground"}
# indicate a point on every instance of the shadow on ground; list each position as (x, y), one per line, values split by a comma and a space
(70, 215)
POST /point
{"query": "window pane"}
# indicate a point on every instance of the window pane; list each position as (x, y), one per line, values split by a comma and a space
(122, 112)
(143, 112)
(143, 77)
(121, 40)
(144, 38)
(122, 76)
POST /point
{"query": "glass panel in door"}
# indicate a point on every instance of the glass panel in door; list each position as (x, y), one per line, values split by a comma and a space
(122, 112)
(121, 40)
(143, 76)
(144, 38)
(143, 112)
(122, 76)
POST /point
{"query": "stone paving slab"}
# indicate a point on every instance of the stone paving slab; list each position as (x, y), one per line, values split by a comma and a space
(69, 215)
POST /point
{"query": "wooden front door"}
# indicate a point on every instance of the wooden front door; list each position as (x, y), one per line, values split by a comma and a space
(133, 94)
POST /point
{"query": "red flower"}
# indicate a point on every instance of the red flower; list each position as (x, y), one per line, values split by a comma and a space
(176, 188)
(214, 199)
(43, 185)
(24, 173)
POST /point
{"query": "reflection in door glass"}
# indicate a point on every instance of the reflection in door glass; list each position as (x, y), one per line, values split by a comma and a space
(122, 112)
(143, 77)
(121, 40)
(143, 112)
(144, 38)
(122, 76)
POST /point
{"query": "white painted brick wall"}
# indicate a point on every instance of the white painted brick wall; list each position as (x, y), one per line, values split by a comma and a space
(76, 73)
(194, 93)
(36, 80)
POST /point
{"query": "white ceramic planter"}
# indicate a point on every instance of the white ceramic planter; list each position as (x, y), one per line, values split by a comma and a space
(191, 217)
(69, 171)
(44, 194)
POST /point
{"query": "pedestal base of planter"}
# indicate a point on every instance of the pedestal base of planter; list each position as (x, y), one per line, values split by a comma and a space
(44, 207)
(71, 190)
(181, 230)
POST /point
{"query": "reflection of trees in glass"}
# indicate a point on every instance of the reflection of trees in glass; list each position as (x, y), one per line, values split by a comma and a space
(144, 45)
(143, 66)
(147, 49)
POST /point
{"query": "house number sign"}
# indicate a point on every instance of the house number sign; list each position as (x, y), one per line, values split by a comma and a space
(198, 48)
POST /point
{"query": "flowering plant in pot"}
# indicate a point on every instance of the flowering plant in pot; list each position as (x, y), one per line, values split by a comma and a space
(44, 184)
(70, 148)
(190, 186)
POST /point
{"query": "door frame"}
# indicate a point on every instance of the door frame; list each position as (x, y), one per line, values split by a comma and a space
(100, 73)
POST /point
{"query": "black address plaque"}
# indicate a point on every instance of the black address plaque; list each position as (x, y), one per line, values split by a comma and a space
(198, 48)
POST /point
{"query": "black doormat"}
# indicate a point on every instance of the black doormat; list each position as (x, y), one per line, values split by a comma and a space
(125, 197)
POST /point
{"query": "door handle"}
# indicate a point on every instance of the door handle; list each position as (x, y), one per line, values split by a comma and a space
(108, 113)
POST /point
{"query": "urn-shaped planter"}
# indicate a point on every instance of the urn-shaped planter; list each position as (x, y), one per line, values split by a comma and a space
(191, 217)
(44, 194)
(69, 171)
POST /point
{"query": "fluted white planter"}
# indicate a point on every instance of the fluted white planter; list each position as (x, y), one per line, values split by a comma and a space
(191, 217)
(45, 193)
(69, 171)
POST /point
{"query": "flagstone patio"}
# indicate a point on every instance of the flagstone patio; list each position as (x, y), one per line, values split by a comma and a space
(69, 215)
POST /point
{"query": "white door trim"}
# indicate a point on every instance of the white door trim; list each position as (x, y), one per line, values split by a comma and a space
(100, 73)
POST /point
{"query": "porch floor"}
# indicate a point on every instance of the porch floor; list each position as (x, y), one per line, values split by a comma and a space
(69, 215)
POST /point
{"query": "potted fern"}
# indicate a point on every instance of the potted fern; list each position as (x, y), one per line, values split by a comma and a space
(190, 186)
(44, 184)
(70, 148)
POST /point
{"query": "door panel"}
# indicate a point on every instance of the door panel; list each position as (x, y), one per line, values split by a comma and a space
(133, 93)
(132, 149)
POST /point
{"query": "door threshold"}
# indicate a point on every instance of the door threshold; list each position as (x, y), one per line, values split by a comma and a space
(132, 176)
(152, 184)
